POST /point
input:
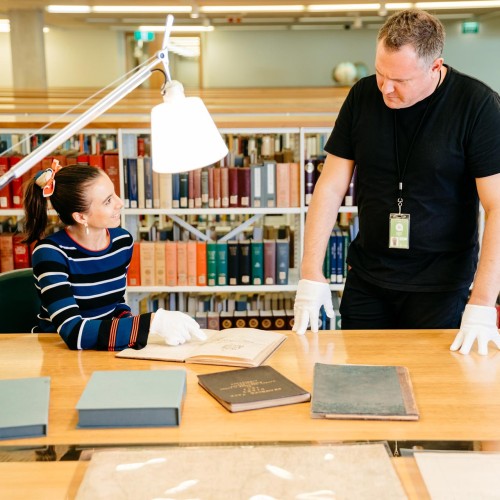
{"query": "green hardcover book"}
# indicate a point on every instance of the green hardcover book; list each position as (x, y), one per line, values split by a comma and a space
(211, 263)
(222, 263)
(257, 262)
(24, 407)
(371, 392)
(252, 388)
(132, 398)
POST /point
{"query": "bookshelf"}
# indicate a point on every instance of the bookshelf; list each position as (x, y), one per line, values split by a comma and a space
(297, 143)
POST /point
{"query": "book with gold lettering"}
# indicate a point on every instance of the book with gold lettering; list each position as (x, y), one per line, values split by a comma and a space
(244, 347)
(252, 388)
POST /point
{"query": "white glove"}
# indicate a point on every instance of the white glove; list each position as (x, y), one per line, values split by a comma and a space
(175, 327)
(311, 295)
(478, 322)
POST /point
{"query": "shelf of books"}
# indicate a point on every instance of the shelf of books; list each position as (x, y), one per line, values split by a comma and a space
(231, 231)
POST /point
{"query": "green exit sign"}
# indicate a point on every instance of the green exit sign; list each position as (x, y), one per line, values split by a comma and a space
(470, 27)
(145, 36)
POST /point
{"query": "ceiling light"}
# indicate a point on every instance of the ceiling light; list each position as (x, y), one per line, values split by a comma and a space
(177, 29)
(342, 7)
(68, 9)
(143, 9)
(479, 4)
(252, 8)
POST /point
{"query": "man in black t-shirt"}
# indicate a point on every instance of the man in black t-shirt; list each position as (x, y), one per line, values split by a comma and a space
(426, 145)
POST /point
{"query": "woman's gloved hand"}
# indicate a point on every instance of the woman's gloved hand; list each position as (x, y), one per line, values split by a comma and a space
(175, 327)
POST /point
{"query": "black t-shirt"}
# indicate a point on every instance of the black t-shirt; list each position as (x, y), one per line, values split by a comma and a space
(458, 141)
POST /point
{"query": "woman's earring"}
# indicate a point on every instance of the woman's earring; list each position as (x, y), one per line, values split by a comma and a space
(87, 232)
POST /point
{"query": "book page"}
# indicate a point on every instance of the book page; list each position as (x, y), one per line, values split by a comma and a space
(240, 343)
(157, 349)
(460, 475)
(233, 343)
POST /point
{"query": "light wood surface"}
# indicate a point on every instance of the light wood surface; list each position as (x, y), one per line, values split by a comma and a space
(457, 395)
(60, 480)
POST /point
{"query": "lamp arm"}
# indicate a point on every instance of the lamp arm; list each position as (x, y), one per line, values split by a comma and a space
(76, 125)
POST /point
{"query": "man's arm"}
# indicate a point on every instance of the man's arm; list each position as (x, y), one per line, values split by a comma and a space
(479, 321)
(487, 281)
(313, 290)
(329, 193)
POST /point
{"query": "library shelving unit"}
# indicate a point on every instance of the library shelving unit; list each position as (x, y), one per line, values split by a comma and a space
(301, 144)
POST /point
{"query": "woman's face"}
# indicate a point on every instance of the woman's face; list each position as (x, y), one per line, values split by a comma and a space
(105, 207)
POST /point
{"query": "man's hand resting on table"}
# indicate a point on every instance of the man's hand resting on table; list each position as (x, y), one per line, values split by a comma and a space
(311, 295)
(478, 322)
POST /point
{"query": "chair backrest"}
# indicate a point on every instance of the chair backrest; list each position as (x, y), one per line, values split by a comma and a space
(19, 301)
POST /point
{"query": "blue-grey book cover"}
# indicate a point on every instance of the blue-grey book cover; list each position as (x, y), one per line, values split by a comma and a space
(24, 407)
(372, 392)
(132, 398)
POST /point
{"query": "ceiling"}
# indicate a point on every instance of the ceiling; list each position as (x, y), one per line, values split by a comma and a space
(237, 19)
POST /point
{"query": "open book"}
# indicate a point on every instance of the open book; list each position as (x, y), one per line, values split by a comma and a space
(245, 347)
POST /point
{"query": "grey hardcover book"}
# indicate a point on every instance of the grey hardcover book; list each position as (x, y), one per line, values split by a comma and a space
(24, 407)
(132, 398)
(372, 392)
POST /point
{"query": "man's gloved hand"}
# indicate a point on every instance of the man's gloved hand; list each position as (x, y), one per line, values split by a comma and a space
(311, 295)
(478, 322)
(175, 327)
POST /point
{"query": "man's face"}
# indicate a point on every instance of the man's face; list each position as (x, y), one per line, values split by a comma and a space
(403, 78)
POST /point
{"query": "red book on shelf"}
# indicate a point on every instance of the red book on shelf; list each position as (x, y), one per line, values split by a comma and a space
(82, 158)
(134, 270)
(6, 191)
(244, 186)
(96, 161)
(197, 187)
(112, 168)
(21, 252)
(6, 252)
(269, 262)
(234, 195)
(211, 186)
(16, 184)
(224, 187)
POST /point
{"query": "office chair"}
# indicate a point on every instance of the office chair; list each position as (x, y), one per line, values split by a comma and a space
(19, 301)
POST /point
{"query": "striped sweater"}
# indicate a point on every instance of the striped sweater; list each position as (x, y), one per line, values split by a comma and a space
(82, 293)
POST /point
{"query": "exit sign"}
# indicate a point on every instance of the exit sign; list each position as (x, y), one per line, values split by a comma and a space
(145, 36)
(470, 27)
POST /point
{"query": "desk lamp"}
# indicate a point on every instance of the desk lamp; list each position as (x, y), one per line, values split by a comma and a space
(183, 134)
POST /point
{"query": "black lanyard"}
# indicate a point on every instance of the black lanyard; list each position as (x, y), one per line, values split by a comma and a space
(401, 174)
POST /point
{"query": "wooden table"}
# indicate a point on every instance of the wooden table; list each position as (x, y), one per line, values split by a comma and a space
(457, 396)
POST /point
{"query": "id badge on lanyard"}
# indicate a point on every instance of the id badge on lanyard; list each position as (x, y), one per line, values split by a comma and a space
(399, 231)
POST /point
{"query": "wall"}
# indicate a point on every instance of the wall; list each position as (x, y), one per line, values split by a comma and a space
(286, 58)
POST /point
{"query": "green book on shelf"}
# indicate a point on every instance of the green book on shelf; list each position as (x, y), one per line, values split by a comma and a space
(222, 263)
(371, 392)
(132, 398)
(24, 407)
(252, 388)
(211, 263)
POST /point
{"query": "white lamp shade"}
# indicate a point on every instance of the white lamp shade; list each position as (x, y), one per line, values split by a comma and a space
(183, 135)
